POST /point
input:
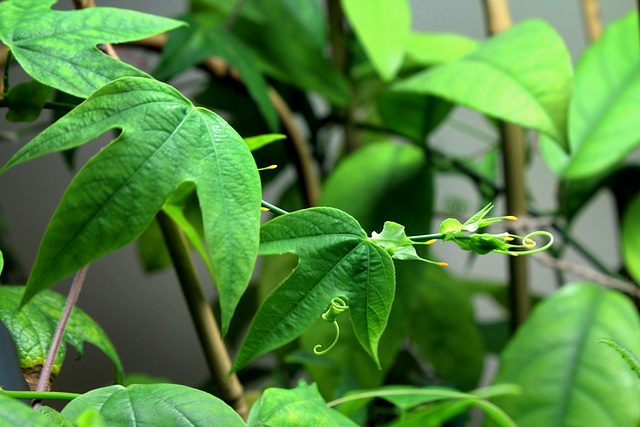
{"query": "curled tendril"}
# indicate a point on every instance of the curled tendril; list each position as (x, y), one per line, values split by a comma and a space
(528, 245)
(338, 305)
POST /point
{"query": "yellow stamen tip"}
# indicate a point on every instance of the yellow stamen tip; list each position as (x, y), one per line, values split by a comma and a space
(511, 218)
(508, 239)
(431, 242)
(263, 209)
(271, 167)
(443, 264)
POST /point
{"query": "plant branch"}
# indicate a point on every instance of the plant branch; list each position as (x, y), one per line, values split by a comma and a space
(273, 208)
(592, 19)
(44, 382)
(207, 329)
(512, 140)
(309, 179)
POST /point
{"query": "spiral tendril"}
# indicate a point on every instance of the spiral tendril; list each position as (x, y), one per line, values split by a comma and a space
(338, 305)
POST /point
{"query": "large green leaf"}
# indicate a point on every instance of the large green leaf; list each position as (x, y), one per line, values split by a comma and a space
(567, 377)
(164, 141)
(154, 405)
(605, 102)
(336, 259)
(301, 406)
(522, 75)
(383, 28)
(630, 238)
(193, 44)
(32, 328)
(14, 413)
(58, 48)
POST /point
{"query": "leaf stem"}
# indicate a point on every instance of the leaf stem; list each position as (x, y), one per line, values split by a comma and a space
(44, 382)
(273, 208)
(592, 19)
(205, 323)
(39, 395)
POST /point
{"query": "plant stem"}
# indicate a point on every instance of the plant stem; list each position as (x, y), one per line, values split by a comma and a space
(512, 140)
(592, 19)
(215, 352)
(45, 374)
(273, 208)
(39, 395)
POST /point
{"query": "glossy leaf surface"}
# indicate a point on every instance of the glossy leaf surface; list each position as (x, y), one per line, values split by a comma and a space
(188, 46)
(568, 377)
(336, 259)
(164, 141)
(32, 328)
(58, 48)
(301, 406)
(154, 405)
(604, 106)
(438, 48)
(383, 28)
(522, 75)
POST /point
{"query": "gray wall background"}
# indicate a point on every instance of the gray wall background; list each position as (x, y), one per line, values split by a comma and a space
(145, 315)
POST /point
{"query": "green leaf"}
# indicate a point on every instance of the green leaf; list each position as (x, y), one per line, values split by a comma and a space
(165, 141)
(301, 406)
(14, 413)
(191, 45)
(413, 115)
(442, 325)
(25, 101)
(58, 48)
(428, 49)
(604, 105)
(56, 417)
(255, 142)
(336, 259)
(1, 262)
(32, 328)
(522, 75)
(628, 357)
(383, 28)
(388, 181)
(154, 404)
(303, 63)
(567, 377)
(630, 238)
(90, 418)
(408, 397)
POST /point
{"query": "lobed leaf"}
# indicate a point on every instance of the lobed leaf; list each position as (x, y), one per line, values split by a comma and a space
(191, 45)
(522, 75)
(565, 374)
(336, 259)
(165, 141)
(58, 48)
(32, 328)
(154, 404)
(604, 105)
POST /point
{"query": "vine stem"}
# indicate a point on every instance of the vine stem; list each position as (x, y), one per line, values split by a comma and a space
(513, 155)
(230, 390)
(39, 395)
(592, 19)
(74, 292)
